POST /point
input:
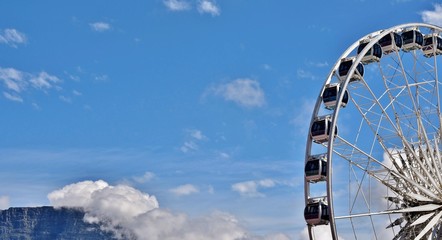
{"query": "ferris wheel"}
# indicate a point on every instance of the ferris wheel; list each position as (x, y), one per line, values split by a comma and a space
(373, 164)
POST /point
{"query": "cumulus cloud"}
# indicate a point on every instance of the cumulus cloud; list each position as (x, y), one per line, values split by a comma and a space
(434, 16)
(177, 5)
(207, 6)
(4, 202)
(16, 81)
(100, 26)
(244, 92)
(250, 188)
(12, 37)
(129, 213)
(186, 189)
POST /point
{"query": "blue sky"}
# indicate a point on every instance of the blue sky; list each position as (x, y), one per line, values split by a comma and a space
(203, 104)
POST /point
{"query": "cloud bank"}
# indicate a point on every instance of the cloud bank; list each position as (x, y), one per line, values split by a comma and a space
(129, 213)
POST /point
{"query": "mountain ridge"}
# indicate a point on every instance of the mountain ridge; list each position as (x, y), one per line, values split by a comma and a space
(47, 222)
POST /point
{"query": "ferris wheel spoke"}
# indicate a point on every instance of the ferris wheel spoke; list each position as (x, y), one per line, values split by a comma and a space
(429, 226)
(388, 177)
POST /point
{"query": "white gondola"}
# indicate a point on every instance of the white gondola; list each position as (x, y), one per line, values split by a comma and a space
(390, 43)
(412, 39)
(316, 168)
(432, 45)
(316, 212)
(372, 55)
(344, 68)
(320, 129)
(330, 96)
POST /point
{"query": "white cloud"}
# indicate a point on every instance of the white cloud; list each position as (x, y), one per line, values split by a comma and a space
(433, 17)
(244, 92)
(266, 183)
(4, 202)
(177, 5)
(100, 26)
(14, 98)
(12, 37)
(186, 189)
(145, 178)
(131, 214)
(208, 6)
(250, 188)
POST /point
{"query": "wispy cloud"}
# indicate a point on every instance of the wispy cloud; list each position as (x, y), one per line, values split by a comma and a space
(12, 37)
(434, 16)
(12, 97)
(16, 81)
(100, 26)
(304, 74)
(250, 188)
(177, 5)
(44, 81)
(13, 79)
(183, 190)
(193, 137)
(244, 92)
(210, 7)
(145, 178)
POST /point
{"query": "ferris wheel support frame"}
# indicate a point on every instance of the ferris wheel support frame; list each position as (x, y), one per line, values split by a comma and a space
(374, 38)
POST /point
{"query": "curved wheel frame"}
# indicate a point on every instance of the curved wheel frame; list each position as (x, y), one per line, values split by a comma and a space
(423, 184)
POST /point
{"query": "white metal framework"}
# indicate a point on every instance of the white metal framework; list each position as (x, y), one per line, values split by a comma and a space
(383, 168)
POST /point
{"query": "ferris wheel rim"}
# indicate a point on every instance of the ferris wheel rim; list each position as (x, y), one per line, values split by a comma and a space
(374, 38)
